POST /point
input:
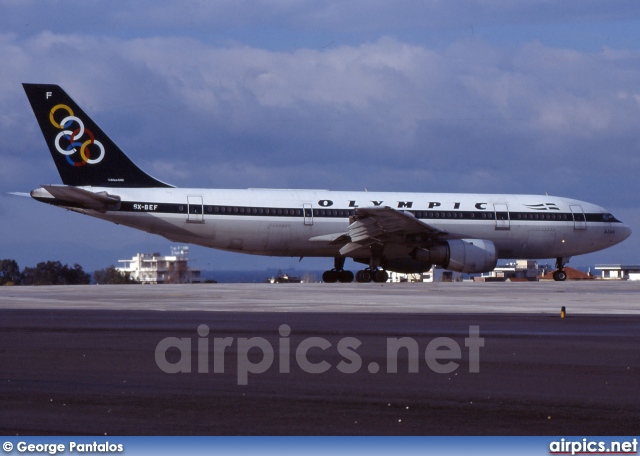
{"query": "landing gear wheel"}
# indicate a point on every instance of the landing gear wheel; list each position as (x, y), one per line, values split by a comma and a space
(380, 276)
(559, 276)
(334, 276)
(345, 276)
(330, 276)
(364, 276)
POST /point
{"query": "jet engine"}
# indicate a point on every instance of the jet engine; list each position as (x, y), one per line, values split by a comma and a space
(460, 255)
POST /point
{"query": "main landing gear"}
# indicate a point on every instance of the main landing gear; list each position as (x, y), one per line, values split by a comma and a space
(337, 274)
(334, 276)
(375, 275)
(373, 272)
(560, 275)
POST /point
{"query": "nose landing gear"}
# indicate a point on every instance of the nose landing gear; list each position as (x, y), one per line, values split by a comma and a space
(560, 275)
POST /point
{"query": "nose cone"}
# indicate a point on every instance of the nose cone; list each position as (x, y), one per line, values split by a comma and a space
(623, 232)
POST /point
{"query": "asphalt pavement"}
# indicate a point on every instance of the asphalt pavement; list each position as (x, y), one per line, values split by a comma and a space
(102, 371)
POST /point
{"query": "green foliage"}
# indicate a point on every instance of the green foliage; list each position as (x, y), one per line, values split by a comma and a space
(111, 276)
(10, 273)
(54, 273)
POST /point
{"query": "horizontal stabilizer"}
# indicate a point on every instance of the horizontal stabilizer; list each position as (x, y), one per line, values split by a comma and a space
(77, 197)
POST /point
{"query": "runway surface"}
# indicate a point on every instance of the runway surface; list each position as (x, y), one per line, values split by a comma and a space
(74, 361)
(593, 297)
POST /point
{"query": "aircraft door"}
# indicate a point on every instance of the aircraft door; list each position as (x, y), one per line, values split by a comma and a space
(308, 213)
(195, 212)
(502, 217)
(579, 219)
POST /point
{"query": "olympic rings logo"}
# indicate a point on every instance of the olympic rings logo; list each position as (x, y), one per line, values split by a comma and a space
(70, 138)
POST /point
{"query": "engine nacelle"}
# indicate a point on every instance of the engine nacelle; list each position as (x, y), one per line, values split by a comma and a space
(461, 255)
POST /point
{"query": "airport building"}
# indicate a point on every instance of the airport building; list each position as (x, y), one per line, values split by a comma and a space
(153, 268)
(572, 274)
(619, 271)
(395, 277)
(518, 270)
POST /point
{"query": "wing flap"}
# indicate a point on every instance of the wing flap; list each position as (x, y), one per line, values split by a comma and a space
(383, 225)
(366, 228)
(392, 220)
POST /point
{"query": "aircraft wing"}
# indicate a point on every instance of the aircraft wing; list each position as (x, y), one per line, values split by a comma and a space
(383, 225)
(335, 238)
(78, 197)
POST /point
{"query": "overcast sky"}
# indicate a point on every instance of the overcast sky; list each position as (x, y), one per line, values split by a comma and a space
(427, 96)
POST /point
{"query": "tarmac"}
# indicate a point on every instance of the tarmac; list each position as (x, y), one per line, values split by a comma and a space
(588, 297)
(315, 359)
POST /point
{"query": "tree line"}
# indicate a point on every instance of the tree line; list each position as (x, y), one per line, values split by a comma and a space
(55, 273)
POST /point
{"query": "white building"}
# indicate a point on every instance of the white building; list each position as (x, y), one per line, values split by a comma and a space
(520, 269)
(395, 277)
(619, 271)
(154, 268)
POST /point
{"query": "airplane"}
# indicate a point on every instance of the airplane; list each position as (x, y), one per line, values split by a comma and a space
(385, 231)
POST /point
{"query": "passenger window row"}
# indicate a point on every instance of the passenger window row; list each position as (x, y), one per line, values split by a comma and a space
(488, 215)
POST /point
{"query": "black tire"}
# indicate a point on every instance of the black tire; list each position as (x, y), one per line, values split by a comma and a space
(364, 276)
(380, 276)
(345, 276)
(330, 276)
(560, 276)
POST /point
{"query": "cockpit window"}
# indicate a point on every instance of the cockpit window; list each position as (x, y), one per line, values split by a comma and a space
(608, 218)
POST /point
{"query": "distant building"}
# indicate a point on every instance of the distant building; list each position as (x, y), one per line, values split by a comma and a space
(572, 274)
(518, 270)
(152, 268)
(396, 277)
(283, 278)
(619, 271)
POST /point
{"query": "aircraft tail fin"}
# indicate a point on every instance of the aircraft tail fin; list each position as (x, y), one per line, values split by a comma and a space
(82, 152)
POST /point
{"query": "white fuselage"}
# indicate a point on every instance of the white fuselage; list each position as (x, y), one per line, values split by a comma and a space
(284, 222)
